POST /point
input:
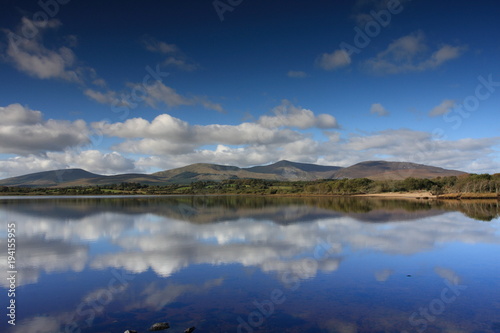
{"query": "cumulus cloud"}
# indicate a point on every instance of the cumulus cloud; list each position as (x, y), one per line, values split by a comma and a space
(31, 56)
(379, 110)
(90, 160)
(153, 95)
(411, 54)
(174, 130)
(415, 146)
(289, 115)
(170, 142)
(174, 56)
(174, 143)
(109, 97)
(23, 131)
(443, 108)
(169, 135)
(103, 163)
(334, 60)
(157, 93)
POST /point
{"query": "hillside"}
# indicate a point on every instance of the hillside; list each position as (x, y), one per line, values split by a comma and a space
(382, 170)
(205, 171)
(282, 170)
(49, 178)
(296, 171)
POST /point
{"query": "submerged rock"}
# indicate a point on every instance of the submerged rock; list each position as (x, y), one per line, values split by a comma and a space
(130, 331)
(159, 327)
(189, 330)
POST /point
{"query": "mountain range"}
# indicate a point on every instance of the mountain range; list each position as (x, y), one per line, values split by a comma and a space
(282, 170)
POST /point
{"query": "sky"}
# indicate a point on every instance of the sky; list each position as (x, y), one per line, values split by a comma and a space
(142, 86)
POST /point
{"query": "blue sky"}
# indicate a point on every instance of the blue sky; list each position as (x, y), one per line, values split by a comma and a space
(129, 86)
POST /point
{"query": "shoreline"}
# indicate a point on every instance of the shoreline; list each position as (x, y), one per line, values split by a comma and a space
(419, 195)
(400, 195)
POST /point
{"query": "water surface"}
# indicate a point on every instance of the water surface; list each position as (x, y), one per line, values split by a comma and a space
(252, 264)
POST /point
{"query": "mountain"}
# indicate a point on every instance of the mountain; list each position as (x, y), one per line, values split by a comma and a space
(205, 171)
(75, 177)
(282, 170)
(49, 178)
(296, 171)
(381, 170)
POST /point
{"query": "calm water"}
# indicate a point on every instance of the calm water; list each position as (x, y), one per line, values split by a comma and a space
(243, 264)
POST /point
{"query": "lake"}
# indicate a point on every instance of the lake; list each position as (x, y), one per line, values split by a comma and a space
(249, 264)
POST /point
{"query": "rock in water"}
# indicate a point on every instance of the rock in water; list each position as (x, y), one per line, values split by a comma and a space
(189, 330)
(130, 331)
(159, 327)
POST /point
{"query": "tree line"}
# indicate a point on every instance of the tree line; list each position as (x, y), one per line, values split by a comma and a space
(470, 183)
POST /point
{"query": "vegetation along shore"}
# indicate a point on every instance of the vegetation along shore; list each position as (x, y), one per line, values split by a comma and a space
(468, 186)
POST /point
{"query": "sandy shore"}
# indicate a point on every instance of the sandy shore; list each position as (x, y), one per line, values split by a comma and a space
(409, 195)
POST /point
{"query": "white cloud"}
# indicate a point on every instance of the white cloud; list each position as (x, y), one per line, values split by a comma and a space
(443, 108)
(297, 74)
(153, 95)
(109, 97)
(267, 130)
(414, 146)
(175, 57)
(99, 82)
(102, 163)
(410, 54)
(472, 155)
(23, 131)
(167, 142)
(157, 93)
(90, 160)
(289, 115)
(271, 135)
(379, 110)
(154, 45)
(33, 58)
(334, 60)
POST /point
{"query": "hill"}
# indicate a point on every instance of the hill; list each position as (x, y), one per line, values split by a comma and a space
(205, 171)
(382, 170)
(296, 171)
(49, 178)
(282, 170)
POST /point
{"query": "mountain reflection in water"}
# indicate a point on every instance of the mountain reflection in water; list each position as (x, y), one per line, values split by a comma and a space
(342, 264)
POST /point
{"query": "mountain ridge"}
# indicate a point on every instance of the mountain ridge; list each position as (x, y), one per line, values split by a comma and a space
(282, 170)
